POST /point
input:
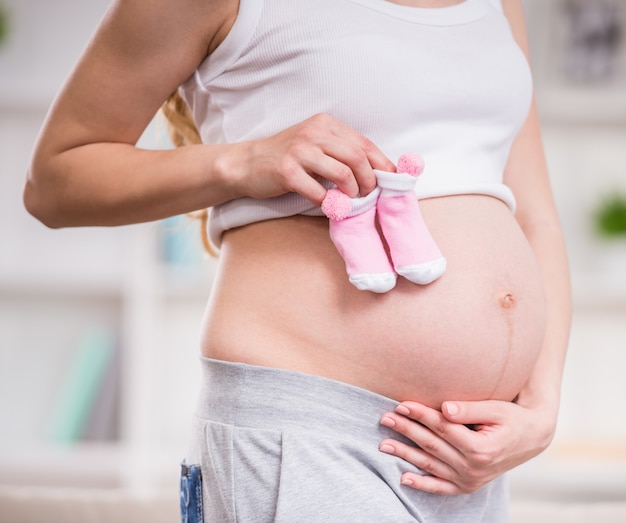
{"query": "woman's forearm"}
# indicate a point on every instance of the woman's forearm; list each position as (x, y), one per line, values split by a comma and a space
(527, 174)
(85, 168)
(104, 183)
(544, 384)
(118, 183)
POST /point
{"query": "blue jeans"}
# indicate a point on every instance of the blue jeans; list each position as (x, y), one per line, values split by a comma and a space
(191, 494)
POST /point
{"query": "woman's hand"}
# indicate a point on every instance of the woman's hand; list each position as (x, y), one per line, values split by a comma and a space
(467, 444)
(295, 159)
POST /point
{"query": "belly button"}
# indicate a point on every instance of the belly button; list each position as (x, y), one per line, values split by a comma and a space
(507, 301)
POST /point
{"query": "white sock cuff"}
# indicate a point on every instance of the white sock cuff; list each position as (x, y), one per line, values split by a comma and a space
(364, 203)
(395, 181)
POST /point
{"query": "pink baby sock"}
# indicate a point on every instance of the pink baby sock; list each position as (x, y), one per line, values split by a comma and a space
(353, 231)
(414, 253)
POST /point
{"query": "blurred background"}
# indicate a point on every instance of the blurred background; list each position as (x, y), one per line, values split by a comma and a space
(99, 327)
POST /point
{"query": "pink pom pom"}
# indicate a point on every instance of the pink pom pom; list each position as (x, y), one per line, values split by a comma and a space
(412, 164)
(336, 205)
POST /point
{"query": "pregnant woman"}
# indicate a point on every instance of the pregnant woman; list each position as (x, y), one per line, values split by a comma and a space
(320, 401)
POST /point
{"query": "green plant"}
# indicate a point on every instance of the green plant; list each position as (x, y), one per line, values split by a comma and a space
(610, 215)
(4, 23)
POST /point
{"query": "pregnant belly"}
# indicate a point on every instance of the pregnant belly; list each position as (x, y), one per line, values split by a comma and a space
(282, 299)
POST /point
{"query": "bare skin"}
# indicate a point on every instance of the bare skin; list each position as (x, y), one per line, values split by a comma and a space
(474, 334)
(86, 170)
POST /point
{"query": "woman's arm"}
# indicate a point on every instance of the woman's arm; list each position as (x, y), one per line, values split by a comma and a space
(527, 175)
(86, 169)
(503, 435)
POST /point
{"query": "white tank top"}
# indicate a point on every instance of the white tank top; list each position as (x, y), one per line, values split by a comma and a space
(449, 83)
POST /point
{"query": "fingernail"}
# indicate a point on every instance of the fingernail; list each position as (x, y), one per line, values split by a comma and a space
(388, 422)
(407, 481)
(388, 449)
(452, 408)
(401, 409)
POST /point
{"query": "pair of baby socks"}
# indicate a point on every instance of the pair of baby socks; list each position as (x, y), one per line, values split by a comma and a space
(413, 251)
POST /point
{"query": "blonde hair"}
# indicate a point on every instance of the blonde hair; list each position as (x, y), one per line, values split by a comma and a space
(182, 131)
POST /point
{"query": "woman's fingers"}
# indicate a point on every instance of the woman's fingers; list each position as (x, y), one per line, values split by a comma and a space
(360, 154)
(486, 439)
(447, 467)
(344, 164)
(458, 435)
(418, 457)
(328, 148)
(423, 436)
(295, 159)
(452, 454)
(487, 412)
(432, 484)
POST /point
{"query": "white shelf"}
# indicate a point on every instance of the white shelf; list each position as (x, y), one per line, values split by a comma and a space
(37, 287)
(589, 476)
(86, 465)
